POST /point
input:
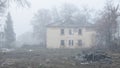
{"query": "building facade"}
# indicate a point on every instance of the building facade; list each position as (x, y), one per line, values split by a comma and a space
(69, 36)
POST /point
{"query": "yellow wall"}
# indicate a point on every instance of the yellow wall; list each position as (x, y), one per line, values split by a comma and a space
(54, 37)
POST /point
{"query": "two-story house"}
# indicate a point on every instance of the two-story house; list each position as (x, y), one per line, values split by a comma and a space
(69, 35)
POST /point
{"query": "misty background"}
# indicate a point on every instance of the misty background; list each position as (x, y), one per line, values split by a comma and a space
(22, 17)
(59, 34)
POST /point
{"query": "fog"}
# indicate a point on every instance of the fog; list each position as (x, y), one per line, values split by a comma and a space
(22, 16)
(59, 34)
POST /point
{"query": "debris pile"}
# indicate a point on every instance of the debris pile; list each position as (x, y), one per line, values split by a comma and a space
(93, 57)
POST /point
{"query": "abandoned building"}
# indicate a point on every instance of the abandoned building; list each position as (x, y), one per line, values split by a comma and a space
(69, 35)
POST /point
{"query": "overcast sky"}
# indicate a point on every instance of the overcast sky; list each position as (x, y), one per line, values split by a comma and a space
(22, 16)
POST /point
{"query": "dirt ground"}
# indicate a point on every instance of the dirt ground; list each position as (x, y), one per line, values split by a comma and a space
(50, 58)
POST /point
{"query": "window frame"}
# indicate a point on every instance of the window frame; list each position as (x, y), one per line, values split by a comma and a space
(79, 31)
(80, 43)
(62, 31)
(70, 31)
(62, 42)
(71, 42)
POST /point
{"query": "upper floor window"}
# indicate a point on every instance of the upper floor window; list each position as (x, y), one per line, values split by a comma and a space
(79, 42)
(62, 32)
(62, 42)
(75, 30)
(70, 32)
(71, 42)
(79, 32)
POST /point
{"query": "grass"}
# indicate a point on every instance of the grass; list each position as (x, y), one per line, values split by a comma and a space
(51, 58)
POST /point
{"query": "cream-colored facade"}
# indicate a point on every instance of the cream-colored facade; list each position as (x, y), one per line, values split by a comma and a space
(70, 37)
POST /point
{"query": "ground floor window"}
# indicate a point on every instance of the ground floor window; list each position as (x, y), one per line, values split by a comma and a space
(62, 43)
(71, 42)
(79, 42)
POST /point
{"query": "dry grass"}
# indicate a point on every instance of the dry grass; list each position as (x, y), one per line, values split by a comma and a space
(51, 58)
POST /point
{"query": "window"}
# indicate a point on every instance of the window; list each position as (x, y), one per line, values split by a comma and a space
(62, 31)
(71, 43)
(70, 32)
(79, 42)
(62, 43)
(79, 32)
(75, 30)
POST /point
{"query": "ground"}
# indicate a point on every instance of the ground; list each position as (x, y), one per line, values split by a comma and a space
(50, 58)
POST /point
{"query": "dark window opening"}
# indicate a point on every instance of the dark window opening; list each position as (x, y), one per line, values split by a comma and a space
(70, 32)
(79, 32)
(62, 43)
(79, 42)
(71, 42)
(62, 31)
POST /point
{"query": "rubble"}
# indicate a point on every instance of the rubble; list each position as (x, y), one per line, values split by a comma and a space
(94, 57)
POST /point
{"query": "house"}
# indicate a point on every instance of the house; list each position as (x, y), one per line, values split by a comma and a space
(69, 35)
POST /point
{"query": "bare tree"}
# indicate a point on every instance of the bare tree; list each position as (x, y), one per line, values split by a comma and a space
(67, 12)
(39, 22)
(107, 25)
(70, 13)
